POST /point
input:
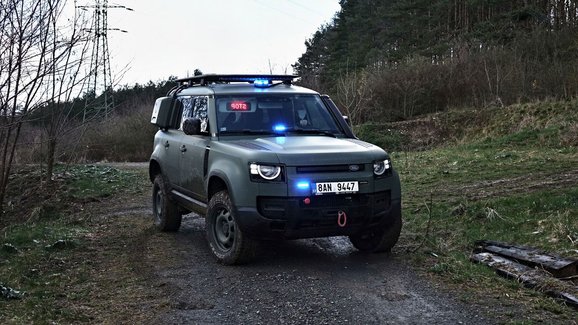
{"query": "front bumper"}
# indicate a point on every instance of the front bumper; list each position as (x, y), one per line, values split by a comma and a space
(323, 216)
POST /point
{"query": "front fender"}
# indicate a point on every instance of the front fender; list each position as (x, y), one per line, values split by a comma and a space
(157, 156)
(235, 174)
(154, 169)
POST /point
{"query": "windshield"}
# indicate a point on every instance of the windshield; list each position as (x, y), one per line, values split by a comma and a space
(274, 114)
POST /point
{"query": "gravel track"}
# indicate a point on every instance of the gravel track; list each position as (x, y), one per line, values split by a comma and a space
(310, 281)
(315, 281)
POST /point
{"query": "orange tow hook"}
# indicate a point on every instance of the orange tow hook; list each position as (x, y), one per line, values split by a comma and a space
(341, 219)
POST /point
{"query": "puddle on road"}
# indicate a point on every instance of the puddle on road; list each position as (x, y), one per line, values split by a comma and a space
(193, 221)
(335, 246)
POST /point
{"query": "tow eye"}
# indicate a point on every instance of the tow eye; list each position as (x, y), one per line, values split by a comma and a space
(341, 218)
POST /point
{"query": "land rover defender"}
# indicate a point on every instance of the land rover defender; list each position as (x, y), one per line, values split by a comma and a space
(261, 158)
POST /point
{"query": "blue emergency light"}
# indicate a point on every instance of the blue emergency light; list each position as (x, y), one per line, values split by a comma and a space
(261, 83)
(279, 128)
(303, 185)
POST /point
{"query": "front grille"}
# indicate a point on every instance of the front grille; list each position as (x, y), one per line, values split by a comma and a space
(326, 201)
(285, 208)
(330, 169)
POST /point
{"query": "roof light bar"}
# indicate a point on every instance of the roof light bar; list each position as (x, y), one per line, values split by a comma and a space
(260, 80)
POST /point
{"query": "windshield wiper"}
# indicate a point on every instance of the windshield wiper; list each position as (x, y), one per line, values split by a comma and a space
(312, 131)
(248, 132)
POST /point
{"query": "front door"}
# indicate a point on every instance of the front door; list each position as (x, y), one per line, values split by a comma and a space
(194, 149)
(170, 140)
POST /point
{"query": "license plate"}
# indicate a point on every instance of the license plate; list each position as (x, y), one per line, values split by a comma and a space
(336, 187)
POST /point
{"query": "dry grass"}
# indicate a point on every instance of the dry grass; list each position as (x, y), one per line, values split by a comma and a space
(122, 138)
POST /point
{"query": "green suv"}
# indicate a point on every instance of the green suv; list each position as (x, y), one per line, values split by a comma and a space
(264, 159)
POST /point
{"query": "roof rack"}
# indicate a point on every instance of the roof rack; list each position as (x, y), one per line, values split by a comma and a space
(205, 79)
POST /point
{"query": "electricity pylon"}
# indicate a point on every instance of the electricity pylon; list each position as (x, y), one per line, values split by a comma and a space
(100, 80)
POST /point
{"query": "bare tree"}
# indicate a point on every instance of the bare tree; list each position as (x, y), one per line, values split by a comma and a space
(353, 95)
(41, 55)
(66, 82)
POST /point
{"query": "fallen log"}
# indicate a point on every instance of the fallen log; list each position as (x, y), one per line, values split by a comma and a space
(537, 279)
(560, 267)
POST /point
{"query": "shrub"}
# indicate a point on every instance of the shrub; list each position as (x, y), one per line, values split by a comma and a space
(121, 138)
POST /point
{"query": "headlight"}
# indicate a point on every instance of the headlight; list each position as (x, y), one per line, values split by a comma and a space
(380, 167)
(267, 172)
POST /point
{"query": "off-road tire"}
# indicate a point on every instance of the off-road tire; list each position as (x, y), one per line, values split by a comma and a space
(228, 243)
(167, 216)
(378, 240)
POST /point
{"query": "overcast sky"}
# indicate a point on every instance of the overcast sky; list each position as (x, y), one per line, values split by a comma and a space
(174, 37)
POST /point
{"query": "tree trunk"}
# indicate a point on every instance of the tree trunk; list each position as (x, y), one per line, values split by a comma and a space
(50, 159)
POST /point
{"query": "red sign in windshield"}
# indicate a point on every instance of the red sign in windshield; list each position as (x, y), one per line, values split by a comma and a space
(239, 105)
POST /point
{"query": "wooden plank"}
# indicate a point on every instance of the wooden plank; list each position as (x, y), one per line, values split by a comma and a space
(532, 278)
(558, 266)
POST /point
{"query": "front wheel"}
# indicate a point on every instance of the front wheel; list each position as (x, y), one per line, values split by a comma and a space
(378, 240)
(166, 212)
(228, 243)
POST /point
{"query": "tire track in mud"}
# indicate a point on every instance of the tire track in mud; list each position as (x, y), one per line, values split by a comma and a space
(515, 185)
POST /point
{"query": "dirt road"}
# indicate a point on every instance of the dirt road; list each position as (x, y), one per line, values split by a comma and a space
(318, 281)
(171, 278)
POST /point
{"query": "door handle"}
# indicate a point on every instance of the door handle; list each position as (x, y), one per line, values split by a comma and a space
(167, 145)
(183, 148)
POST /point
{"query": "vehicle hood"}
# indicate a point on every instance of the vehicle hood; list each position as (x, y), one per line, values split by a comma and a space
(315, 150)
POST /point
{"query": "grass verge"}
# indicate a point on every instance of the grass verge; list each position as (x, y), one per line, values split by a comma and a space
(511, 184)
(52, 253)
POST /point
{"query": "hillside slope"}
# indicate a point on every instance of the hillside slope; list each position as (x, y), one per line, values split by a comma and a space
(507, 174)
(552, 124)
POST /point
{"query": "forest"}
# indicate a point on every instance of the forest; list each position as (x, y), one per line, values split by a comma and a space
(393, 60)
(380, 61)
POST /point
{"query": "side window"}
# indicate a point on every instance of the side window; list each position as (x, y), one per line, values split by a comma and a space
(194, 107)
(200, 108)
(186, 108)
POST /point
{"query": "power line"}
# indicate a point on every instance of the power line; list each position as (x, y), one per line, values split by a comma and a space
(282, 11)
(307, 8)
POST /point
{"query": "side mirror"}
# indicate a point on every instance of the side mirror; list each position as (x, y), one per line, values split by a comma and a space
(162, 112)
(192, 126)
(346, 118)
